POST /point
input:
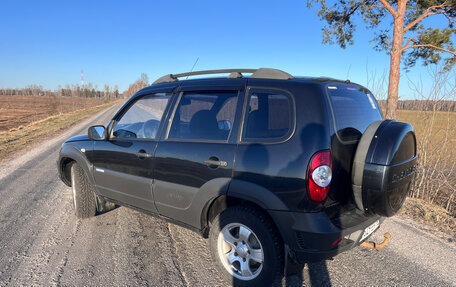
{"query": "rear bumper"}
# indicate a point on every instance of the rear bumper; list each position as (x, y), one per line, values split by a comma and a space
(313, 236)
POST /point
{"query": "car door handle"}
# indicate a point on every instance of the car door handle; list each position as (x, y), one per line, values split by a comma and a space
(213, 162)
(143, 154)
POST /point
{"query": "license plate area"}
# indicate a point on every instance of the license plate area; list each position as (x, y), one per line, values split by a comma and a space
(370, 229)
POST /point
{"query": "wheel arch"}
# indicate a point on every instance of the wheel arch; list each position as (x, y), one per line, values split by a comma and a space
(68, 155)
(65, 169)
(242, 193)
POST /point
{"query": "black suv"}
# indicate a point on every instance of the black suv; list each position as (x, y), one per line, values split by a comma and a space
(271, 167)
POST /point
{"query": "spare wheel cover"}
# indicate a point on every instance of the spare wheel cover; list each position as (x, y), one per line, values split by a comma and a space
(384, 167)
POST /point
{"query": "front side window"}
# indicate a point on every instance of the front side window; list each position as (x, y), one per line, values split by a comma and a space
(204, 116)
(269, 116)
(142, 119)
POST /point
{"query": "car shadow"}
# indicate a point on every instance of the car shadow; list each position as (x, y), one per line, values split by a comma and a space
(317, 275)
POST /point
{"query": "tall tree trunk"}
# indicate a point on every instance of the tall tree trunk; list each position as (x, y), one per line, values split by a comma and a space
(395, 66)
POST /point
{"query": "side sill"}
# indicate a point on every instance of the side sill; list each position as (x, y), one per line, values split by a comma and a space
(202, 233)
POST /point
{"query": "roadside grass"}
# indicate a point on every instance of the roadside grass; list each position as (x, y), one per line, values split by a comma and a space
(432, 199)
(436, 177)
(17, 139)
(431, 215)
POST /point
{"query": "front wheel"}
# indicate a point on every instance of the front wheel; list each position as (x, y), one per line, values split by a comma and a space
(246, 247)
(84, 199)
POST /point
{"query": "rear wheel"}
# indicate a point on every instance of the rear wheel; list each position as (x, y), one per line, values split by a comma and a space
(246, 247)
(84, 199)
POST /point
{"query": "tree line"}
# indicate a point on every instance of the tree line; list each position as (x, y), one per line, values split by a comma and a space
(140, 83)
(86, 91)
(91, 91)
(415, 105)
(423, 105)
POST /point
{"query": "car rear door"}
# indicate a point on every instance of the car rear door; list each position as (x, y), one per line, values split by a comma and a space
(194, 160)
(353, 108)
(123, 164)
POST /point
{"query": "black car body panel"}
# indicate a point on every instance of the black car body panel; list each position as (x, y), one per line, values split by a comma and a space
(78, 138)
(281, 167)
(78, 151)
(182, 179)
(311, 234)
(120, 174)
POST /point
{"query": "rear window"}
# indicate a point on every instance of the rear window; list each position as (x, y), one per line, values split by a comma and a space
(354, 107)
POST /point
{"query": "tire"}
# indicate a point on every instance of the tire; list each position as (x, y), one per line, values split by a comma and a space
(248, 237)
(84, 199)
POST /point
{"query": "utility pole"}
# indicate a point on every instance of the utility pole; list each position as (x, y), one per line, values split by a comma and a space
(82, 79)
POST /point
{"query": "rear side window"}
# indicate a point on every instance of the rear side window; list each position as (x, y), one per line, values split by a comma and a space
(354, 108)
(269, 116)
(204, 116)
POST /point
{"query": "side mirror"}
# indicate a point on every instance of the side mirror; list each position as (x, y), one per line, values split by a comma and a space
(97, 133)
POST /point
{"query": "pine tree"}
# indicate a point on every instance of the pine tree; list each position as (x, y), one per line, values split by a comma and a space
(408, 36)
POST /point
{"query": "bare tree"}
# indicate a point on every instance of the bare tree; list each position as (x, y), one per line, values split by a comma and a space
(142, 82)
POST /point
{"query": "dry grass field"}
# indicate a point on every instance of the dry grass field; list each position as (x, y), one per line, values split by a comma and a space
(16, 111)
(436, 136)
(440, 124)
(21, 131)
(433, 196)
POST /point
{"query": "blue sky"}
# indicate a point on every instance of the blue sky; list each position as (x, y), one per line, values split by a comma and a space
(49, 42)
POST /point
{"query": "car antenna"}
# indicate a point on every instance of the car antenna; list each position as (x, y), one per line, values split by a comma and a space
(197, 59)
(180, 83)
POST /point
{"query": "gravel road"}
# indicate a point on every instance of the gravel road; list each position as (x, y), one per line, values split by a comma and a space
(43, 244)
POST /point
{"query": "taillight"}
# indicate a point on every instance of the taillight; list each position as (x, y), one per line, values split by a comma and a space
(319, 175)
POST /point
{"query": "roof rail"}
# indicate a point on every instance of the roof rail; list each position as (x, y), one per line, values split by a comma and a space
(268, 73)
(261, 73)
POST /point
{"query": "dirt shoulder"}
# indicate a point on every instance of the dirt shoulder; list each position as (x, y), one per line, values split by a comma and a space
(17, 139)
(430, 218)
